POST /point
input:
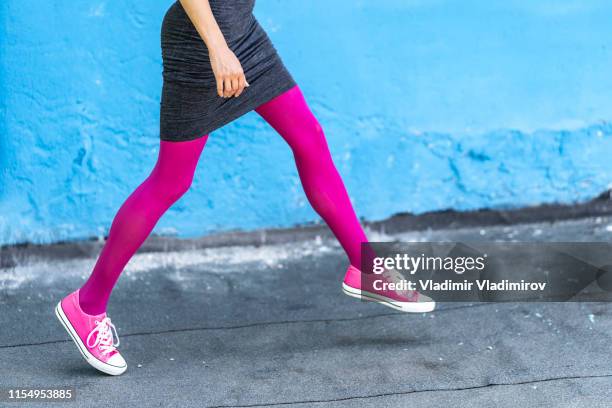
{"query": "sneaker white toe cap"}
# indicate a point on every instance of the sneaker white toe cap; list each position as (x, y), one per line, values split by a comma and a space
(117, 361)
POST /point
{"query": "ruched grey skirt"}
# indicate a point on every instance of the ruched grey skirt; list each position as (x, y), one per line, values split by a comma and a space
(190, 107)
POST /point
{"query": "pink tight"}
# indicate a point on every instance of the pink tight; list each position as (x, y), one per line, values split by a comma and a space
(171, 177)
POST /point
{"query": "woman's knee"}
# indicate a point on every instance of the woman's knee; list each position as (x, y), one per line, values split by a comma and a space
(310, 138)
(171, 187)
(181, 186)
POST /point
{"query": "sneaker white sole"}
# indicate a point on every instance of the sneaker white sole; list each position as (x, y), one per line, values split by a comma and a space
(407, 307)
(90, 358)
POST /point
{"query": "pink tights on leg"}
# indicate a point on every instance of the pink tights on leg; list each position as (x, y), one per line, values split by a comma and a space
(170, 179)
(290, 116)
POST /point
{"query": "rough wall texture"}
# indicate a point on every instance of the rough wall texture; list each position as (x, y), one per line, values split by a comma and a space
(427, 104)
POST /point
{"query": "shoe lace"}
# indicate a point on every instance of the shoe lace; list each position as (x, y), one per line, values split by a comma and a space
(392, 275)
(105, 333)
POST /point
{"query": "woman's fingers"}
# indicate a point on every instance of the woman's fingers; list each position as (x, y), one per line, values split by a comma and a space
(230, 86)
(235, 85)
(241, 84)
(219, 86)
(227, 87)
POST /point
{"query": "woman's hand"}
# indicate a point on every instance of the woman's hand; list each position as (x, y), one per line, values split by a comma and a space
(228, 72)
(226, 67)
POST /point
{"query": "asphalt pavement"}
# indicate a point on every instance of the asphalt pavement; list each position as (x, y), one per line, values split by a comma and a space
(268, 325)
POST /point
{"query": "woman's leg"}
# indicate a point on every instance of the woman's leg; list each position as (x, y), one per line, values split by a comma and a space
(169, 180)
(290, 116)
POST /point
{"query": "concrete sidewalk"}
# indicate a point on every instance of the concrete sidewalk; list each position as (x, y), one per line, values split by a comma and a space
(268, 325)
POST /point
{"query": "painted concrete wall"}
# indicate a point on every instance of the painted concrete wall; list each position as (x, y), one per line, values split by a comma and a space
(427, 104)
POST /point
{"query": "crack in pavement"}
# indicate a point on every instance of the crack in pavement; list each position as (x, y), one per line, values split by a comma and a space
(249, 325)
(390, 394)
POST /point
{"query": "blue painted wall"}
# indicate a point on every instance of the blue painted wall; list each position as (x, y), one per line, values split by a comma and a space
(427, 104)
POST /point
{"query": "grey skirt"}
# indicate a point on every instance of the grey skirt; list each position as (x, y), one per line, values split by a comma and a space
(190, 107)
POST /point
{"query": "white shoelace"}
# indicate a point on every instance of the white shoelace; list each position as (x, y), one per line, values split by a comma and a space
(104, 338)
(394, 276)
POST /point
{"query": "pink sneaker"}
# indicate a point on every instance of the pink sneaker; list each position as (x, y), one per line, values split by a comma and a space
(93, 335)
(367, 286)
